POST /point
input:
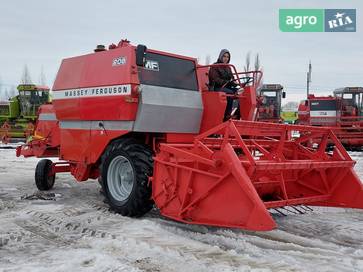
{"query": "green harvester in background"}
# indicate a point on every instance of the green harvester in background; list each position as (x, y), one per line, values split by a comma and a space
(18, 115)
(289, 117)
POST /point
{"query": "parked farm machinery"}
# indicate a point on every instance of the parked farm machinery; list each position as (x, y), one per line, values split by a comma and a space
(18, 115)
(146, 125)
(343, 113)
(269, 103)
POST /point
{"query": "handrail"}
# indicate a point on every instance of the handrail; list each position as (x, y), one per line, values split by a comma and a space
(256, 75)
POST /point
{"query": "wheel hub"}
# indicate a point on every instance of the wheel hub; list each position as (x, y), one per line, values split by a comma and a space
(120, 178)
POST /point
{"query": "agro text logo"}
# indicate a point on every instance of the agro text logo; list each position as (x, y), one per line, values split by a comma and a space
(317, 20)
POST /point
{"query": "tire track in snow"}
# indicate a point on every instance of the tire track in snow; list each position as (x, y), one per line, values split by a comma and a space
(258, 247)
(226, 242)
(52, 224)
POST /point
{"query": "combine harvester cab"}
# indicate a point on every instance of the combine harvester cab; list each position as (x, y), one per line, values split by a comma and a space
(343, 113)
(145, 123)
(269, 107)
(18, 115)
(351, 119)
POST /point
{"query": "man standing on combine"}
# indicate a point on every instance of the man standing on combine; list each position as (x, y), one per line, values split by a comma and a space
(221, 80)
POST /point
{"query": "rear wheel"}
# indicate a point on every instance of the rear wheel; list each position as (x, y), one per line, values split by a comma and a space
(43, 178)
(125, 170)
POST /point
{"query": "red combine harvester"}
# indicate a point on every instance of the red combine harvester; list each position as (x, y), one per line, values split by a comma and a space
(351, 117)
(319, 111)
(343, 113)
(269, 106)
(144, 122)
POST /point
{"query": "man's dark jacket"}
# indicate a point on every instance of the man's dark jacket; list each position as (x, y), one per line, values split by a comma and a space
(220, 75)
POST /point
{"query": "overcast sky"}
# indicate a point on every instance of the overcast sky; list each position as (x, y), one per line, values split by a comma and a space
(40, 33)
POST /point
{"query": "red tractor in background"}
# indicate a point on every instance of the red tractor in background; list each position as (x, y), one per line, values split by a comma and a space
(145, 123)
(269, 103)
(352, 102)
(342, 112)
(319, 111)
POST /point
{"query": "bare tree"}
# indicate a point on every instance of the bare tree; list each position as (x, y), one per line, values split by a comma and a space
(247, 66)
(25, 78)
(291, 106)
(6, 94)
(257, 62)
(207, 60)
(42, 79)
(248, 62)
(12, 91)
(258, 67)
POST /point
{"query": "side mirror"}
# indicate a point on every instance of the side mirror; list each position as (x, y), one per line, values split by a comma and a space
(283, 94)
(140, 54)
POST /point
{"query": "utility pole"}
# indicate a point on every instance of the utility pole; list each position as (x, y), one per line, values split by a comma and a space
(308, 80)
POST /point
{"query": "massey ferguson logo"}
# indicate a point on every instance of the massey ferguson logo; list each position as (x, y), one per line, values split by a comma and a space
(114, 90)
(151, 65)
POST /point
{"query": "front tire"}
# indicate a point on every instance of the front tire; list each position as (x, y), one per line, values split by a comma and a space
(43, 180)
(125, 170)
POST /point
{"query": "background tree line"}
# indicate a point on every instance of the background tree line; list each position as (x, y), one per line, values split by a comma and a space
(8, 91)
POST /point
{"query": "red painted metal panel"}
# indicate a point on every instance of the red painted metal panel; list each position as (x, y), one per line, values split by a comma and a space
(101, 71)
(70, 73)
(87, 146)
(74, 145)
(108, 108)
(99, 141)
(67, 109)
(96, 70)
(214, 104)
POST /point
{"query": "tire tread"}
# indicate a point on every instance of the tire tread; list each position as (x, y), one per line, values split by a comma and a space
(140, 200)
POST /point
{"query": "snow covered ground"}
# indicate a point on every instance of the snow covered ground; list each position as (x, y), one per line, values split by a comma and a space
(76, 232)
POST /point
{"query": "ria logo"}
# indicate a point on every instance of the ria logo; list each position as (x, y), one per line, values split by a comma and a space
(151, 65)
(342, 20)
(339, 20)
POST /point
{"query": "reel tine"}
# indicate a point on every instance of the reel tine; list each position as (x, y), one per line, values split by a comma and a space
(307, 208)
(279, 212)
(286, 209)
(304, 208)
(300, 209)
(296, 209)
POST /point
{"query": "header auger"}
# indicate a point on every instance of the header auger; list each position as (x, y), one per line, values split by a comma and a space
(145, 124)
